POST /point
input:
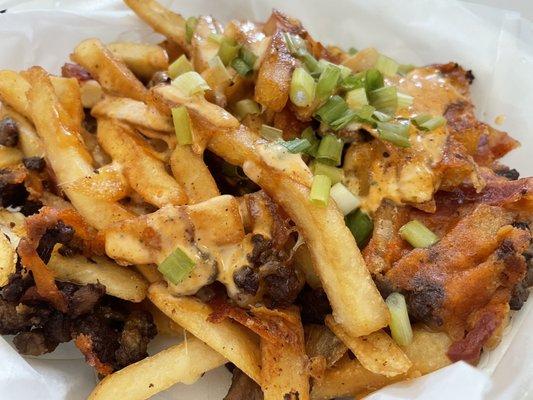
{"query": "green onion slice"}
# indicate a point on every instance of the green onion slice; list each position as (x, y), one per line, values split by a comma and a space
(404, 69)
(295, 44)
(239, 65)
(270, 133)
(352, 82)
(182, 125)
(296, 145)
(385, 99)
(327, 83)
(387, 66)
(245, 107)
(429, 123)
(356, 98)
(190, 27)
(176, 267)
(215, 38)
(191, 83)
(417, 234)
(248, 56)
(320, 188)
(332, 110)
(346, 200)
(302, 89)
(365, 114)
(229, 49)
(404, 100)
(340, 123)
(309, 135)
(180, 66)
(382, 116)
(361, 227)
(311, 63)
(396, 133)
(335, 174)
(330, 150)
(352, 51)
(400, 326)
(373, 80)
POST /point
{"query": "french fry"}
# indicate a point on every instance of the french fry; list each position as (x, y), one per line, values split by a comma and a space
(132, 111)
(376, 352)
(13, 90)
(150, 272)
(428, 349)
(68, 93)
(144, 60)
(10, 156)
(165, 326)
(191, 172)
(228, 338)
(66, 154)
(335, 255)
(108, 184)
(29, 142)
(146, 175)
(284, 372)
(161, 20)
(182, 363)
(121, 282)
(8, 259)
(111, 72)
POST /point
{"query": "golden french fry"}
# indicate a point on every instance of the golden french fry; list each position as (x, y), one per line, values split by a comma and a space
(335, 255)
(108, 184)
(284, 372)
(182, 363)
(121, 282)
(146, 175)
(13, 90)
(144, 60)
(65, 152)
(428, 349)
(165, 326)
(29, 142)
(8, 259)
(10, 156)
(111, 72)
(377, 352)
(233, 341)
(68, 93)
(134, 112)
(161, 20)
(150, 272)
(191, 172)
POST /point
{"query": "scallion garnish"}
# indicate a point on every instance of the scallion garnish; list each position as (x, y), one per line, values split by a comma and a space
(404, 100)
(330, 150)
(327, 82)
(404, 69)
(417, 234)
(182, 125)
(361, 227)
(385, 99)
(387, 66)
(356, 98)
(215, 38)
(382, 116)
(345, 71)
(429, 123)
(270, 133)
(400, 326)
(332, 110)
(180, 66)
(248, 57)
(335, 174)
(340, 123)
(239, 65)
(346, 200)
(314, 142)
(190, 27)
(295, 44)
(352, 51)
(190, 83)
(176, 267)
(320, 188)
(352, 82)
(297, 145)
(245, 107)
(229, 49)
(396, 133)
(373, 80)
(302, 89)
(365, 114)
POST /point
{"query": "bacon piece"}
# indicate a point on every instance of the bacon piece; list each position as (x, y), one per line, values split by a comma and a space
(493, 145)
(459, 77)
(71, 70)
(84, 343)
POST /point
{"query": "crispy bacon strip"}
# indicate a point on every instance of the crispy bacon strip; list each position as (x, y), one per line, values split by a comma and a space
(85, 345)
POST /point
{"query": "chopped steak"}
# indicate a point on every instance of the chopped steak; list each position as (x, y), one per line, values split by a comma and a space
(33, 343)
(59, 233)
(34, 163)
(9, 132)
(314, 305)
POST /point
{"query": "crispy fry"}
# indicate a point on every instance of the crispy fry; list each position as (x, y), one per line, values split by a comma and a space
(233, 341)
(68, 92)
(149, 272)
(143, 59)
(112, 73)
(120, 282)
(108, 184)
(10, 156)
(146, 175)
(182, 363)
(30, 143)
(191, 172)
(336, 258)
(376, 352)
(13, 90)
(8, 259)
(428, 349)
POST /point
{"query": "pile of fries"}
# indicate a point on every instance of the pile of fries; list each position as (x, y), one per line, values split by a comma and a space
(212, 180)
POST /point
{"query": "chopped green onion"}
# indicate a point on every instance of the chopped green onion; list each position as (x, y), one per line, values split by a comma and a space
(361, 227)
(387, 66)
(296, 145)
(182, 125)
(404, 100)
(309, 135)
(191, 83)
(365, 114)
(180, 66)
(344, 71)
(342, 122)
(228, 50)
(335, 174)
(310, 63)
(352, 82)
(245, 107)
(373, 80)
(302, 89)
(385, 99)
(330, 150)
(429, 123)
(332, 110)
(270, 133)
(190, 27)
(220, 73)
(248, 56)
(400, 327)
(320, 187)
(346, 200)
(404, 69)
(215, 38)
(295, 44)
(352, 51)
(356, 98)
(176, 267)
(416, 233)
(327, 82)
(239, 65)
(382, 116)
(396, 133)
